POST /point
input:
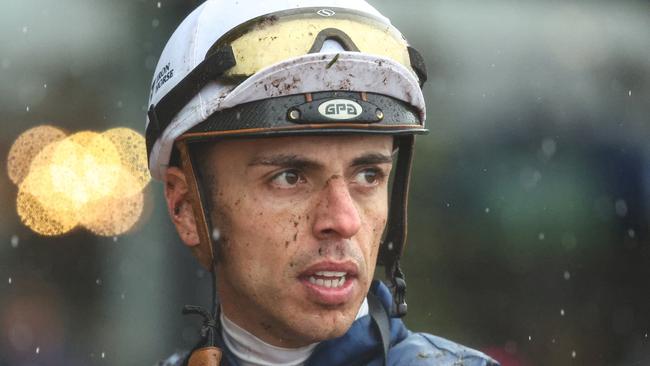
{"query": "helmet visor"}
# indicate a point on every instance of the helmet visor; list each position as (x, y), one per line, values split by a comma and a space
(272, 38)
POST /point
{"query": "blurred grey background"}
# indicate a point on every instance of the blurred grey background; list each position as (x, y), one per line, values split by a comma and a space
(530, 202)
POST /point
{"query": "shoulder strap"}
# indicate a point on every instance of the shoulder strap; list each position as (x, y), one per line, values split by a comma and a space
(380, 318)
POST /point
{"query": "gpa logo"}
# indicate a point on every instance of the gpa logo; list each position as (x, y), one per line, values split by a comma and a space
(340, 109)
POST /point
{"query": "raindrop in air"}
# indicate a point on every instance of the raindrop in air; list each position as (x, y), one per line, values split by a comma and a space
(38, 350)
(631, 233)
(561, 312)
(15, 241)
(9, 281)
(123, 296)
(103, 355)
(567, 275)
(25, 29)
(541, 236)
(573, 354)
(115, 239)
(629, 93)
(44, 86)
(216, 235)
(487, 210)
(98, 281)
(159, 5)
(27, 108)
(530, 338)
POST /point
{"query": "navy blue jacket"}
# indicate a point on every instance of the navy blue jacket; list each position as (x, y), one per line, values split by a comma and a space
(361, 345)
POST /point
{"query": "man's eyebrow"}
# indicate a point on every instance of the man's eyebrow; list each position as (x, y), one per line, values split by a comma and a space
(372, 159)
(285, 161)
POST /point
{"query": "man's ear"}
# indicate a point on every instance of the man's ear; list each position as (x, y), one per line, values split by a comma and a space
(179, 207)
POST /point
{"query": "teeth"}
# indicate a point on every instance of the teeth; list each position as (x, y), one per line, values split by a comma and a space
(333, 283)
(330, 274)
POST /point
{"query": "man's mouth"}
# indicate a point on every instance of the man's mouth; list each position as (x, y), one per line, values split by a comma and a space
(330, 283)
(328, 279)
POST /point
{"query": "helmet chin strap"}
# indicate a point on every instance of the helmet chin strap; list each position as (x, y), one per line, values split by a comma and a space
(206, 352)
(391, 249)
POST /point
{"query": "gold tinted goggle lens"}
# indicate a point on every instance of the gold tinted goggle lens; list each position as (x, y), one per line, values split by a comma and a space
(270, 39)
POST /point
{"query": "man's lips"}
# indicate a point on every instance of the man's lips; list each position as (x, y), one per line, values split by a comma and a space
(330, 283)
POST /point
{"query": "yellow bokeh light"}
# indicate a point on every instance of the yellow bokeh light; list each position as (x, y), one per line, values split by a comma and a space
(113, 216)
(116, 214)
(42, 210)
(89, 179)
(84, 167)
(26, 147)
(132, 149)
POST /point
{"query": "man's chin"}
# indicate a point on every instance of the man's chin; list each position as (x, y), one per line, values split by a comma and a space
(321, 314)
(328, 328)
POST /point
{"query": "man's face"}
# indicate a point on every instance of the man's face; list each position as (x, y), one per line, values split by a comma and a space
(300, 219)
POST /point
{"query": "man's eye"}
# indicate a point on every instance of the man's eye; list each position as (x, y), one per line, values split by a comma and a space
(287, 179)
(369, 177)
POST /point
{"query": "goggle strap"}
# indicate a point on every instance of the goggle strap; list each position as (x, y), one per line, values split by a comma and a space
(334, 34)
(199, 203)
(161, 115)
(418, 65)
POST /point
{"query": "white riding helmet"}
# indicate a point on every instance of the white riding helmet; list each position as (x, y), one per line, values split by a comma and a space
(287, 67)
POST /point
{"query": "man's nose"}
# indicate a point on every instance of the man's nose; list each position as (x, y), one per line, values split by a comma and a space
(337, 215)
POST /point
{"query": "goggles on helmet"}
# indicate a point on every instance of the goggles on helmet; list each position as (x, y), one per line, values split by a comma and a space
(270, 39)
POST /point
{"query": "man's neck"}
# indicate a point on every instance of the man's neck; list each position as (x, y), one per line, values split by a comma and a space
(252, 351)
